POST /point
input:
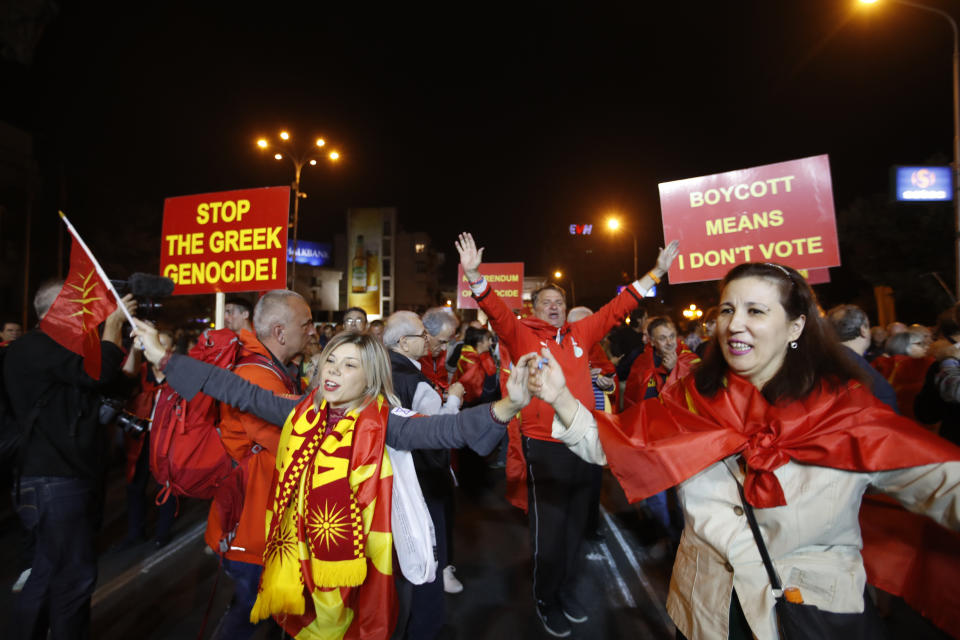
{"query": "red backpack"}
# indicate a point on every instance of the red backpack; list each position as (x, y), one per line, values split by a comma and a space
(186, 455)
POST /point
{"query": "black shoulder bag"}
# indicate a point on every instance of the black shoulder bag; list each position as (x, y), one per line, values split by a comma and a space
(798, 621)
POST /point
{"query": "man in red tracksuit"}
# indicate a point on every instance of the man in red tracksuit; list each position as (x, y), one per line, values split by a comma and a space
(557, 480)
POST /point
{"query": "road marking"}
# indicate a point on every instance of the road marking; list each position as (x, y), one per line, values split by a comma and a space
(621, 583)
(641, 576)
(148, 563)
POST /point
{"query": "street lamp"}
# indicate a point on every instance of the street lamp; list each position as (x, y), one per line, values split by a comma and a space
(558, 275)
(956, 123)
(614, 224)
(299, 158)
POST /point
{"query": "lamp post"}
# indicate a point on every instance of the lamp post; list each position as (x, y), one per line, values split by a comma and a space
(614, 225)
(558, 275)
(956, 125)
(299, 158)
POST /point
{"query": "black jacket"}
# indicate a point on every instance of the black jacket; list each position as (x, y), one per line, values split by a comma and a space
(67, 439)
(432, 465)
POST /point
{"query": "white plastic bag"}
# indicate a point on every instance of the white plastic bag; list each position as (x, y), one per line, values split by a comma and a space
(413, 534)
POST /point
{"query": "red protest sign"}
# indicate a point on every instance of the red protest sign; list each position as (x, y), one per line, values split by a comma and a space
(506, 278)
(227, 241)
(774, 213)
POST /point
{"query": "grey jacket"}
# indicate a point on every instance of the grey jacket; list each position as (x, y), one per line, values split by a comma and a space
(473, 427)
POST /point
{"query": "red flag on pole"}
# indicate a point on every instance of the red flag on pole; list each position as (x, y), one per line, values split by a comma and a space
(82, 304)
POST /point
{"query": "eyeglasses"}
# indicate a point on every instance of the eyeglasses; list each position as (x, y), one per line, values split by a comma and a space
(353, 322)
(418, 335)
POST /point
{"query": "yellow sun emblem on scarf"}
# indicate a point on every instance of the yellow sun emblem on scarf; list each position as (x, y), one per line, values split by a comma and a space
(284, 544)
(327, 525)
(84, 287)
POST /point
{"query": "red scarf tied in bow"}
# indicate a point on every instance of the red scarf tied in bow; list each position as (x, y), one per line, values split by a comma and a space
(663, 441)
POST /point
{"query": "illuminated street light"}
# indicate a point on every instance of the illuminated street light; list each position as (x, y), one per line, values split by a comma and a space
(558, 275)
(956, 122)
(299, 158)
(614, 225)
(692, 313)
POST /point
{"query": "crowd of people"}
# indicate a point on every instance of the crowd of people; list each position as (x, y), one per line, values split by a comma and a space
(754, 434)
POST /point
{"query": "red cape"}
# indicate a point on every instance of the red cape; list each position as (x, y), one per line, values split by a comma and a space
(663, 441)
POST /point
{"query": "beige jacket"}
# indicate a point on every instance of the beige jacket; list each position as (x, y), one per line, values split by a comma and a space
(814, 540)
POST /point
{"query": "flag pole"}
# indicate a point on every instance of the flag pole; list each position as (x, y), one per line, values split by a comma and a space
(96, 265)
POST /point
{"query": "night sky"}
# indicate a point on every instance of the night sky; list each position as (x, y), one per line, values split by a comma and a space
(513, 121)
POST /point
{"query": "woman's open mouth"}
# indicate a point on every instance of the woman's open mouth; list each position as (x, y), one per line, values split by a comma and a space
(738, 348)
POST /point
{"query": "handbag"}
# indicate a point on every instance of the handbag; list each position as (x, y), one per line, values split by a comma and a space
(798, 621)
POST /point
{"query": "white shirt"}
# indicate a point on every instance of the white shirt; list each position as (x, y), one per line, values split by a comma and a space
(814, 540)
(426, 400)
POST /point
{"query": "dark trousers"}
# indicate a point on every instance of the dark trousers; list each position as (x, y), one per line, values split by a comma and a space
(63, 514)
(137, 501)
(235, 624)
(558, 492)
(421, 606)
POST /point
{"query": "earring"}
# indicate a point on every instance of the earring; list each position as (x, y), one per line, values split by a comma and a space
(793, 344)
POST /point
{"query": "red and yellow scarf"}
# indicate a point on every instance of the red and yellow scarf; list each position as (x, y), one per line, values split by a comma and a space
(328, 562)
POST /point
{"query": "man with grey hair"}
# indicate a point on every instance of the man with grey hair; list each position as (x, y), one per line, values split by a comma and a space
(852, 328)
(440, 324)
(422, 606)
(283, 324)
(56, 404)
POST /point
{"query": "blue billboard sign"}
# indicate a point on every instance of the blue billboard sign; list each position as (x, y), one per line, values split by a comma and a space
(316, 254)
(923, 184)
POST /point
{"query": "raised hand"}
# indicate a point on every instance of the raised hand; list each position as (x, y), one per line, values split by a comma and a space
(470, 257)
(547, 381)
(667, 255)
(147, 340)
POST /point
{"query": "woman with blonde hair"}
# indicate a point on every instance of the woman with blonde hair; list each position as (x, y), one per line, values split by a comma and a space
(328, 562)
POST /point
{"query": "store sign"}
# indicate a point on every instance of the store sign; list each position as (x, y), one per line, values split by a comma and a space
(923, 184)
(315, 254)
(581, 229)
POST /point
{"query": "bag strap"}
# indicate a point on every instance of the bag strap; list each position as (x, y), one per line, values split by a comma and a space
(758, 538)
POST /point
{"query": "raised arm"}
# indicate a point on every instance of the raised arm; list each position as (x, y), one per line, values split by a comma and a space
(188, 377)
(502, 319)
(594, 327)
(480, 428)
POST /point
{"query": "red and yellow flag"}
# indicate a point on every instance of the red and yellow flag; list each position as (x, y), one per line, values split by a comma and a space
(82, 304)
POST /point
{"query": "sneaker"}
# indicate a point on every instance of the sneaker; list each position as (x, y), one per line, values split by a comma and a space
(573, 610)
(22, 580)
(450, 582)
(554, 621)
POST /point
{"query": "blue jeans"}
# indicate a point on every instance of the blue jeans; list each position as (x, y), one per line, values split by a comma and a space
(63, 514)
(235, 624)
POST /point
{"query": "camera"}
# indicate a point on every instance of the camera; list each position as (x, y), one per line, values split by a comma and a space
(145, 288)
(111, 410)
(132, 424)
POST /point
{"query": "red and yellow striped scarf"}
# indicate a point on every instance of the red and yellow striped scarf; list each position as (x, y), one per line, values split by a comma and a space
(328, 527)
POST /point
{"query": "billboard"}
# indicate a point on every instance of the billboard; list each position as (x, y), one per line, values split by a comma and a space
(506, 278)
(315, 254)
(229, 241)
(923, 184)
(365, 267)
(779, 212)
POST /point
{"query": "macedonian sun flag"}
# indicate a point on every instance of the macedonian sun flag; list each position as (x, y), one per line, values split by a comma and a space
(83, 303)
(328, 561)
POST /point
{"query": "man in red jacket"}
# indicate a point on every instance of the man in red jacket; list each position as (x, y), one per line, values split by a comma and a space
(557, 480)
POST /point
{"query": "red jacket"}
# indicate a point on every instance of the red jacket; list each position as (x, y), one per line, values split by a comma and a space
(435, 370)
(570, 345)
(239, 432)
(644, 374)
(472, 369)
